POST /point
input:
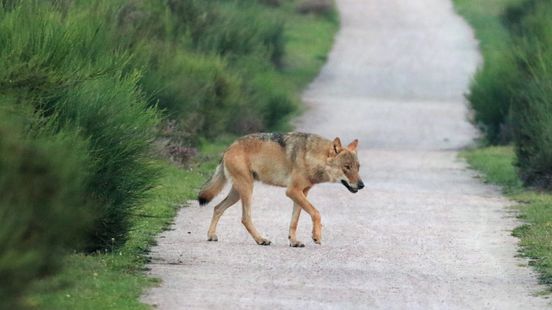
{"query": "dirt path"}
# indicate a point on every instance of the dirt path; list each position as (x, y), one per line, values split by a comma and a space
(425, 233)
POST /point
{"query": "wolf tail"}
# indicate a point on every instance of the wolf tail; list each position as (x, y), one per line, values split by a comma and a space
(213, 186)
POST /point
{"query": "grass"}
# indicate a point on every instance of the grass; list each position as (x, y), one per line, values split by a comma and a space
(115, 280)
(535, 207)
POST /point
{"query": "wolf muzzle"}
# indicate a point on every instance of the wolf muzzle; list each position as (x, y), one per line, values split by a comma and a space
(360, 185)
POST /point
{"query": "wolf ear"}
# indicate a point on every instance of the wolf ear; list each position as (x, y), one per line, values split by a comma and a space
(353, 145)
(336, 145)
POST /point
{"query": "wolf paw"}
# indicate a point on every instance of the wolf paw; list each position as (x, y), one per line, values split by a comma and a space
(212, 238)
(263, 241)
(317, 240)
(296, 244)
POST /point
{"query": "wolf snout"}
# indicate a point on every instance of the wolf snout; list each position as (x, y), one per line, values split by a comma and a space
(349, 187)
(360, 184)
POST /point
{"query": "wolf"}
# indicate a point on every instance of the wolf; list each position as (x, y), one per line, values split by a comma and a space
(296, 161)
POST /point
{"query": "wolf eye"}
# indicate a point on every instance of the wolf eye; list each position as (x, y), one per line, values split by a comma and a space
(347, 167)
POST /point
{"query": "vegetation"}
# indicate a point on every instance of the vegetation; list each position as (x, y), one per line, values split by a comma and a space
(511, 97)
(63, 71)
(39, 187)
(497, 165)
(115, 280)
(531, 26)
(93, 95)
(511, 94)
(491, 88)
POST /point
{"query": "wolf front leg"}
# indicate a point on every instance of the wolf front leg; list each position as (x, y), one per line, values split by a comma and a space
(293, 242)
(299, 198)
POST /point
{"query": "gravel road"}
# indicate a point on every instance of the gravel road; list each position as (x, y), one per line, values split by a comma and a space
(425, 233)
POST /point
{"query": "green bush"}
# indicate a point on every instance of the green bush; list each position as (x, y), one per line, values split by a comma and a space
(532, 114)
(66, 68)
(112, 114)
(241, 30)
(512, 94)
(229, 28)
(42, 206)
(43, 52)
(532, 107)
(202, 60)
(490, 96)
(198, 91)
(491, 90)
(274, 104)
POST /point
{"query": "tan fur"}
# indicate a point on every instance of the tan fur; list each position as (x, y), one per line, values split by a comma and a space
(297, 161)
(213, 186)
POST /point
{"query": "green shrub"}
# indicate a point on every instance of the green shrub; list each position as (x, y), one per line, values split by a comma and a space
(492, 88)
(66, 68)
(244, 31)
(43, 52)
(230, 28)
(202, 60)
(198, 91)
(42, 204)
(532, 105)
(490, 96)
(112, 113)
(274, 104)
(532, 114)
(513, 91)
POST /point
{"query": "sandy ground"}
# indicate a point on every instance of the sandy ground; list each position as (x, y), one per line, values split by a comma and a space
(424, 234)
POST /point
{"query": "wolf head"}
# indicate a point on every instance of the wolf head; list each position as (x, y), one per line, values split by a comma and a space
(343, 166)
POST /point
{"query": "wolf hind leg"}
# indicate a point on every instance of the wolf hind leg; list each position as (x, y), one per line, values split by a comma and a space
(245, 190)
(245, 196)
(229, 201)
(242, 181)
